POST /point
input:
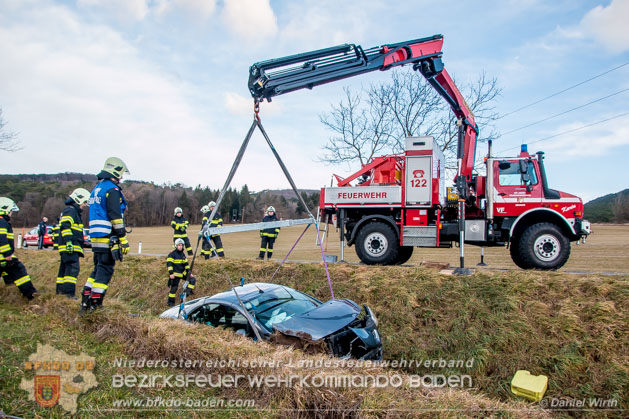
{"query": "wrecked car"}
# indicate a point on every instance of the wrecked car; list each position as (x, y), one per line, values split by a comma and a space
(286, 316)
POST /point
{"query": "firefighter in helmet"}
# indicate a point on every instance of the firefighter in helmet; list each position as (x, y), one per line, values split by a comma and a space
(107, 231)
(217, 221)
(11, 269)
(268, 234)
(70, 242)
(180, 225)
(178, 269)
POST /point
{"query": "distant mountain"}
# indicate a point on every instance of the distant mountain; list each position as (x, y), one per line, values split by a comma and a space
(612, 208)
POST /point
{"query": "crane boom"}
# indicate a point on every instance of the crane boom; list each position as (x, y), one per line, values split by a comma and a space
(279, 76)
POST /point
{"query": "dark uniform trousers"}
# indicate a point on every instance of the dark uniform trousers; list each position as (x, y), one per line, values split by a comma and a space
(98, 282)
(266, 247)
(69, 269)
(206, 247)
(15, 272)
(174, 285)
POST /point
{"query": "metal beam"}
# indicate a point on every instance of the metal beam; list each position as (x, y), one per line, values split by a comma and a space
(237, 228)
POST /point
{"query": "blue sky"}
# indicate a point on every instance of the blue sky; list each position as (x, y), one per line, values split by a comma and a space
(162, 83)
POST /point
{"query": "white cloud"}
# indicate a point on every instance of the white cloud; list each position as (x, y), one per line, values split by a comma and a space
(608, 25)
(202, 9)
(122, 9)
(593, 141)
(250, 19)
(78, 93)
(240, 105)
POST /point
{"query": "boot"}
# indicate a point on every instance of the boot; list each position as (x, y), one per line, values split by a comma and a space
(86, 300)
(96, 301)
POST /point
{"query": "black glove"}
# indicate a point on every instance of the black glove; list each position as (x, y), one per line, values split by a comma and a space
(114, 246)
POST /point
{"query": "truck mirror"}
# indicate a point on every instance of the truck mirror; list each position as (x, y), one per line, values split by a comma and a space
(523, 166)
(504, 165)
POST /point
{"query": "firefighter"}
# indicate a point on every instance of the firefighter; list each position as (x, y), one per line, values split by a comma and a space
(178, 269)
(70, 242)
(107, 231)
(268, 234)
(55, 235)
(217, 221)
(180, 225)
(11, 269)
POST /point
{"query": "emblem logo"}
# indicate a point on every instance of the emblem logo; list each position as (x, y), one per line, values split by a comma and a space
(47, 389)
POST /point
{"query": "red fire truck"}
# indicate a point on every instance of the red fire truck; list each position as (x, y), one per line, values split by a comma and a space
(399, 202)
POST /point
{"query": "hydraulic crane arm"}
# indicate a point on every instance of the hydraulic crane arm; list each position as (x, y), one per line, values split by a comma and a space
(271, 78)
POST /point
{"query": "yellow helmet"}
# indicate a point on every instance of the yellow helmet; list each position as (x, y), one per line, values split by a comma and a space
(115, 167)
(80, 196)
(7, 205)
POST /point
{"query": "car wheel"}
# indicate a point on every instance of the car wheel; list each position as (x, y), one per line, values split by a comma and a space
(377, 244)
(543, 246)
(404, 254)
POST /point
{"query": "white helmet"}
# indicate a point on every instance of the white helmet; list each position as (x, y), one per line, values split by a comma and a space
(270, 208)
(115, 167)
(178, 242)
(80, 196)
(7, 205)
(205, 209)
(211, 204)
(177, 210)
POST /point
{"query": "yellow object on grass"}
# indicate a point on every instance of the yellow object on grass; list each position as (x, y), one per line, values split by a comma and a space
(530, 386)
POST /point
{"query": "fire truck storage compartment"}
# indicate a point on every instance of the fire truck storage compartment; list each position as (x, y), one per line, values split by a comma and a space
(419, 236)
(417, 217)
(475, 230)
(424, 162)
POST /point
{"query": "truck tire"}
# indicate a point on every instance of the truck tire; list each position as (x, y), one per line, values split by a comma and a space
(404, 254)
(543, 246)
(377, 244)
(514, 249)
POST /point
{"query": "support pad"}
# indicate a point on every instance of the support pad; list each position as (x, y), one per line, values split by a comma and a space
(463, 271)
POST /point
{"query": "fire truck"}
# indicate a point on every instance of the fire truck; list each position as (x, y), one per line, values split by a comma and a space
(398, 202)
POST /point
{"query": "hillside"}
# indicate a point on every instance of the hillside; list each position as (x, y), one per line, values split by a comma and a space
(612, 208)
(40, 195)
(571, 328)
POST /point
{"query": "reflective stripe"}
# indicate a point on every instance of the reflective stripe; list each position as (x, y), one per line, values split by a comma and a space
(22, 280)
(99, 222)
(190, 286)
(262, 249)
(172, 295)
(68, 279)
(100, 286)
(59, 280)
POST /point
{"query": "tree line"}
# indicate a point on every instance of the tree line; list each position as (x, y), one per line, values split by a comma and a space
(148, 204)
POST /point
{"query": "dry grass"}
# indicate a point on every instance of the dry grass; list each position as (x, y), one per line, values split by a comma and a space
(606, 250)
(574, 329)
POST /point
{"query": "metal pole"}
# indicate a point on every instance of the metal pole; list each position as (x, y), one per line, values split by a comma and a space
(139, 248)
(482, 257)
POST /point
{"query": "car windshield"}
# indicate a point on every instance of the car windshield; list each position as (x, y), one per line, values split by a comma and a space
(279, 305)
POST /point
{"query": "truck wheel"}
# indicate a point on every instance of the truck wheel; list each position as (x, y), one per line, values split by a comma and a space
(543, 246)
(514, 249)
(377, 244)
(404, 254)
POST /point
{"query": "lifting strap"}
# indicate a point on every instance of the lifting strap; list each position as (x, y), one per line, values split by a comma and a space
(258, 124)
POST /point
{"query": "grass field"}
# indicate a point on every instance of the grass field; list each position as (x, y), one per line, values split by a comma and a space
(572, 328)
(606, 250)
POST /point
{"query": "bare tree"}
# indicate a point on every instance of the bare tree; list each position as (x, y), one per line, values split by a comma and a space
(378, 119)
(8, 140)
(619, 207)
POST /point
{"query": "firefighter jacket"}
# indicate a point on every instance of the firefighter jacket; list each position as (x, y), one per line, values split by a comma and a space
(216, 222)
(55, 235)
(71, 228)
(270, 232)
(177, 264)
(6, 238)
(107, 207)
(180, 225)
